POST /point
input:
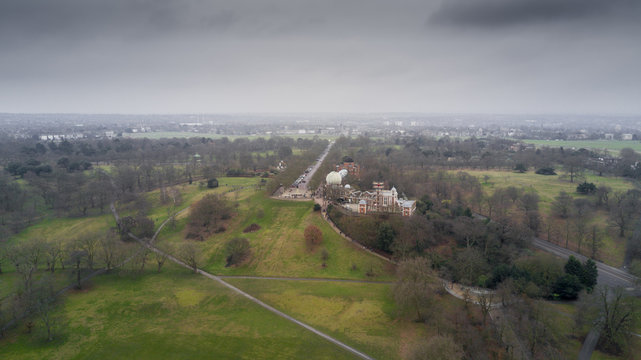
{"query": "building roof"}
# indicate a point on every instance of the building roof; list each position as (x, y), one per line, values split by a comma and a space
(407, 203)
(333, 178)
(362, 202)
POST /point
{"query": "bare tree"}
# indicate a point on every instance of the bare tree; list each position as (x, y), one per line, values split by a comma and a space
(619, 313)
(485, 300)
(42, 304)
(160, 258)
(191, 255)
(142, 257)
(623, 207)
(108, 250)
(89, 244)
(573, 167)
(54, 253)
(25, 258)
(581, 215)
(595, 242)
(414, 286)
(602, 195)
(76, 259)
(562, 205)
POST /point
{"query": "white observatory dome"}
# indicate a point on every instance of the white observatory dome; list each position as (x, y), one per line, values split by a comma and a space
(343, 173)
(348, 186)
(333, 178)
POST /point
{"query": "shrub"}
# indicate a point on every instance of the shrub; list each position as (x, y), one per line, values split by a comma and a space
(313, 236)
(546, 171)
(251, 228)
(568, 287)
(237, 250)
(212, 183)
(317, 207)
(586, 188)
(205, 215)
(325, 257)
(520, 167)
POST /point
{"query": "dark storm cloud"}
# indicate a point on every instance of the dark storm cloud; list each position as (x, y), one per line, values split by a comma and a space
(499, 13)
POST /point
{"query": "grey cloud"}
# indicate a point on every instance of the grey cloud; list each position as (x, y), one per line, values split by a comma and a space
(501, 13)
(310, 55)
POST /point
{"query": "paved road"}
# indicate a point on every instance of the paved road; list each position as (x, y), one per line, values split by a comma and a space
(608, 275)
(317, 164)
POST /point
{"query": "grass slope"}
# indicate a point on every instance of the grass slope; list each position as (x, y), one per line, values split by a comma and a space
(168, 315)
(278, 248)
(361, 315)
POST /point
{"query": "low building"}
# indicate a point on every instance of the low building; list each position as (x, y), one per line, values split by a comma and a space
(353, 169)
(377, 200)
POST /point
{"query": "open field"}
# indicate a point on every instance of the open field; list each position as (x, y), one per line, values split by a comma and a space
(278, 248)
(361, 315)
(612, 146)
(136, 315)
(66, 228)
(548, 187)
(170, 315)
(187, 134)
(175, 314)
(194, 192)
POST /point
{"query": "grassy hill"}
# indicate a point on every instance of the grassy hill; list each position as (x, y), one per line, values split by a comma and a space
(175, 314)
(169, 315)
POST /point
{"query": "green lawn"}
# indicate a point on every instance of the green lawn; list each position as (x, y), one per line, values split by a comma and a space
(547, 187)
(168, 315)
(361, 315)
(613, 146)
(192, 193)
(66, 228)
(279, 249)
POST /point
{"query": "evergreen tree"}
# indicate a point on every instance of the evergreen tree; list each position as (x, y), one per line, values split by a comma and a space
(589, 275)
(574, 267)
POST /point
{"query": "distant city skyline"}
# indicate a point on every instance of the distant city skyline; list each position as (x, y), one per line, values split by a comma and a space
(362, 56)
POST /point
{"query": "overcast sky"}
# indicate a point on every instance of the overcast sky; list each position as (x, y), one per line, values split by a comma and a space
(194, 56)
